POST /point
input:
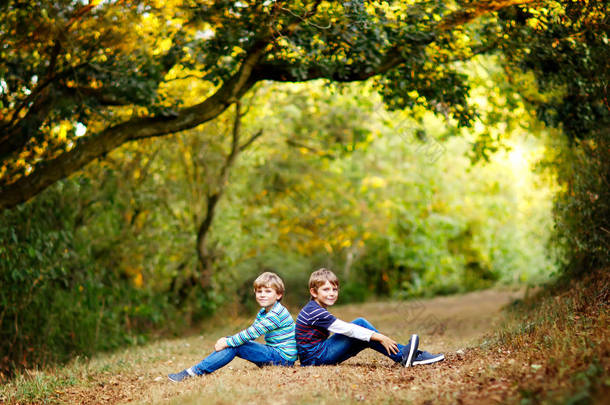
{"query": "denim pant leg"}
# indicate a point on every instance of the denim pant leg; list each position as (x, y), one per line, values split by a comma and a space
(339, 348)
(254, 352)
(261, 355)
(215, 361)
(373, 344)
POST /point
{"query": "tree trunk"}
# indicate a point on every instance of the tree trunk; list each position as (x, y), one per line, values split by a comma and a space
(205, 257)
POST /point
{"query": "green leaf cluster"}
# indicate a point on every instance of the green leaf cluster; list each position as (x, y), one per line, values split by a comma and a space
(564, 45)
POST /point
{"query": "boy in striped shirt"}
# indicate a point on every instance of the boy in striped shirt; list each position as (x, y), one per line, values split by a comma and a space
(314, 325)
(273, 321)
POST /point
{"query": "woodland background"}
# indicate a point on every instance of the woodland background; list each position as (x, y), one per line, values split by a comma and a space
(157, 156)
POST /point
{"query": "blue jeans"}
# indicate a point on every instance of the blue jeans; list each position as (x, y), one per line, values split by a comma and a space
(254, 352)
(339, 348)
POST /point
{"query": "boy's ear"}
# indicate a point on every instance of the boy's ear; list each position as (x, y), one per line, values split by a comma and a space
(313, 292)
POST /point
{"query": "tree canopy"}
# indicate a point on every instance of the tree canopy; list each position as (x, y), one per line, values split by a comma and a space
(366, 178)
(78, 79)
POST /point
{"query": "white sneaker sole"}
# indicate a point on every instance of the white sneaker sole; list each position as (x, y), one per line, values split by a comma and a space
(412, 350)
(436, 359)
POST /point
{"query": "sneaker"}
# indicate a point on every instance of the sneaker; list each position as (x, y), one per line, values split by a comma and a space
(179, 376)
(427, 358)
(407, 358)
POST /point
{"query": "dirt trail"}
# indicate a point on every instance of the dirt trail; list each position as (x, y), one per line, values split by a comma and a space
(445, 324)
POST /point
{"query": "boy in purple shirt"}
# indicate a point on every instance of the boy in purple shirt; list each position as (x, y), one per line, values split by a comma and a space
(314, 324)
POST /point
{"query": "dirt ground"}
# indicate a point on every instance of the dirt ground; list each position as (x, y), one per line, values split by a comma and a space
(454, 325)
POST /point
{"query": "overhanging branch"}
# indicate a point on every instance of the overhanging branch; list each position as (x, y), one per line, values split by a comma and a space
(95, 146)
(251, 71)
(475, 10)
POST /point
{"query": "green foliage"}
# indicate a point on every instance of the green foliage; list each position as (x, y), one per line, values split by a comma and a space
(450, 229)
(395, 215)
(58, 298)
(582, 207)
(54, 62)
(565, 46)
(432, 85)
(79, 80)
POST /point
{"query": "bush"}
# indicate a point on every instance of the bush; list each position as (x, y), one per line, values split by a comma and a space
(582, 208)
(56, 300)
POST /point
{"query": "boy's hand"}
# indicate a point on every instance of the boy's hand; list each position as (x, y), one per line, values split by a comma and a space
(221, 344)
(390, 345)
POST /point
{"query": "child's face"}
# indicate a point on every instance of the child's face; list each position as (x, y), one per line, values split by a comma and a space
(266, 297)
(325, 295)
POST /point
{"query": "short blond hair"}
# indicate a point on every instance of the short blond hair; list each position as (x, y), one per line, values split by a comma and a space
(270, 280)
(319, 277)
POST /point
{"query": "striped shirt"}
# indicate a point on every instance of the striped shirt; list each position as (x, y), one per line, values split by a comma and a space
(312, 330)
(277, 326)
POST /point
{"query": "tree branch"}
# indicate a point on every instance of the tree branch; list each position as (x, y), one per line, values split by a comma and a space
(102, 95)
(475, 10)
(95, 146)
(252, 70)
(251, 140)
(234, 145)
(313, 150)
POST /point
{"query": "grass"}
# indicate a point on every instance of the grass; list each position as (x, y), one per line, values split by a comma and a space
(562, 334)
(35, 387)
(551, 348)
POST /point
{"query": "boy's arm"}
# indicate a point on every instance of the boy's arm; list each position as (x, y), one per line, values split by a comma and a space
(258, 328)
(361, 333)
(389, 344)
(351, 330)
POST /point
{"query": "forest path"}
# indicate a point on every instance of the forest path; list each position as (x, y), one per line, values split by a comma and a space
(455, 325)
